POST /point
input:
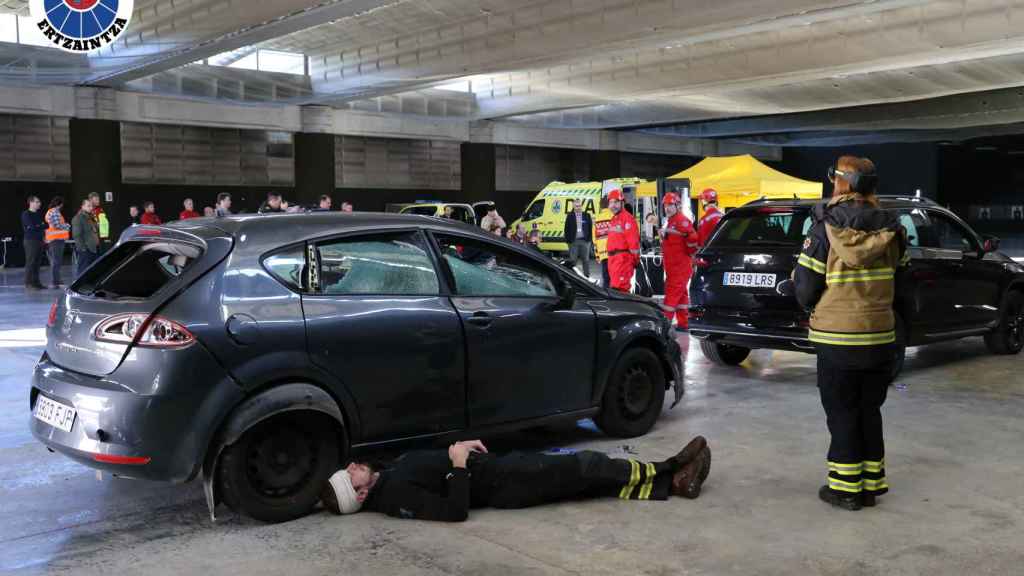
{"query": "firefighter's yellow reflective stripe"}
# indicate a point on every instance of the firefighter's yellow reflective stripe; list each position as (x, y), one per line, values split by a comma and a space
(645, 490)
(843, 486)
(871, 466)
(848, 276)
(634, 478)
(835, 339)
(812, 263)
(870, 484)
(845, 469)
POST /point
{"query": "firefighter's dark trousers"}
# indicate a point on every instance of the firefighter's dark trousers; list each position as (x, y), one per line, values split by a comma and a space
(853, 384)
(519, 480)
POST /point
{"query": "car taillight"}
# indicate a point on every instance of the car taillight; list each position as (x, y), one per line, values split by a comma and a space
(701, 262)
(143, 330)
(53, 315)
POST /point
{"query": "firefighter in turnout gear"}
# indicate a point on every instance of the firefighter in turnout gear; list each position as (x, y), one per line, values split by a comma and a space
(444, 485)
(623, 244)
(709, 221)
(846, 275)
(679, 243)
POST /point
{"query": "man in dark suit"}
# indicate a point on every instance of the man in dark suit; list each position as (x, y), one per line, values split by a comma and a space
(579, 235)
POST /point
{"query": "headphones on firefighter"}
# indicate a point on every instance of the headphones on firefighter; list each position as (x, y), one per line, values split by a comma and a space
(860, 182)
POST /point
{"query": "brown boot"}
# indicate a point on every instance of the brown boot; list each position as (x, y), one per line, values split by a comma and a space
(688, 480)
(688, 453)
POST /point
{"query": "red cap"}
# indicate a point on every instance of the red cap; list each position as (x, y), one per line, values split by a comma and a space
(709, 195)
(615, 194)
(670, 198)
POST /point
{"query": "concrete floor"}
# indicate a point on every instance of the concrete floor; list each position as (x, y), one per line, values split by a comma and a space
(955, 464)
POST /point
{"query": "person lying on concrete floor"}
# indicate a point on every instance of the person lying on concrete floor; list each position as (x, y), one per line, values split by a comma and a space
(440, 485)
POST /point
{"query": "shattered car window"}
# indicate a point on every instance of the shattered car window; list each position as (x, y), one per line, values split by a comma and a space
(480, 269)
(395, 264)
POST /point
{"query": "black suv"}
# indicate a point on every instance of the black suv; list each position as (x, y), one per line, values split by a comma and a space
(955, 285)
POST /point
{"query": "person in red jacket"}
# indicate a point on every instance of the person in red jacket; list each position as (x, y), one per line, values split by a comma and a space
(189, 211)
(149, 215)
(623, 244)
(707, 224)
(679, 243)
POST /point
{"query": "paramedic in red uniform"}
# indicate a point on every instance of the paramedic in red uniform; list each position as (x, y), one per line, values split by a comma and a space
(707, 224)
(679, 243)
(623, 244)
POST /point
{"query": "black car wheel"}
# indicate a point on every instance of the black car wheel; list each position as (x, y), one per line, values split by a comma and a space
(634, 396)
(1008, 337)
(276, 470)
(724, 354)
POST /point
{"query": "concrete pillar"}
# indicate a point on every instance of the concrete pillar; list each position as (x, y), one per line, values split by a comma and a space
(605, 164)
(478, 171)
(96, 167)
(314, 167)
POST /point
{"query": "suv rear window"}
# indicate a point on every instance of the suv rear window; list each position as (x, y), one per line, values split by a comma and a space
(763, 227)
(136, 269)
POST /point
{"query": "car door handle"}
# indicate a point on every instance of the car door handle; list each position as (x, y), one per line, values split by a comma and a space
(482, 319)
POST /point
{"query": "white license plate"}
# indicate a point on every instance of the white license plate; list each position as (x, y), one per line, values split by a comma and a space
(54, 413)
(749, 280)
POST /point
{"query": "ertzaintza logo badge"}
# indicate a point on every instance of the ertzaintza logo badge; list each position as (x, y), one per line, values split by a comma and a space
(81, 26)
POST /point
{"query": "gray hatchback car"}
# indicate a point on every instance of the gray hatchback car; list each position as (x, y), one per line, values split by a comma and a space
(259, 352)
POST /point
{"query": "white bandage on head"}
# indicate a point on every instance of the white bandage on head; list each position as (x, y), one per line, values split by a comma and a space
(341, 482)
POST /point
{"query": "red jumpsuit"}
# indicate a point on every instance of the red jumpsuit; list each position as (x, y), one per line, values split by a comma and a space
(623, 250)
(677, 250)
(707, 224)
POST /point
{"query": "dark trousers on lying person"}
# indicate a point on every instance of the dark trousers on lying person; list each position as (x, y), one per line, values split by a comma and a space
(521, 480)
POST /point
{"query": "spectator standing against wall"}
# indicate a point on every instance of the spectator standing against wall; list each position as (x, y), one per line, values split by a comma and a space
(579, 235)
(189, 211)
(223, 205)
(271, 204)
(149, 214)
(325, 204)
(58, 231)
(102, 222)
(32, 226)
(134, 215)
(346, 207)
(85, 231)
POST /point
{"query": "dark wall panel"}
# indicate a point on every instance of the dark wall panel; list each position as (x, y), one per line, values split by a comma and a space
(902, 168)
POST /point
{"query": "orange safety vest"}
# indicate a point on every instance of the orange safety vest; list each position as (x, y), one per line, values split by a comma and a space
(56, 233)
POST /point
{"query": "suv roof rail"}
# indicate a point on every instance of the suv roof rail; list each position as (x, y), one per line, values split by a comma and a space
(918, 199)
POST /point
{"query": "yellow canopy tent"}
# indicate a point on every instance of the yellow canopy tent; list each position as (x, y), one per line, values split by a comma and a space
(742, 179)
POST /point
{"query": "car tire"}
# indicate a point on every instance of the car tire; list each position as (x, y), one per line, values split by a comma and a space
(634, 396)
(277, 469)
(724, 354)
(1008, 337)
(901, 349)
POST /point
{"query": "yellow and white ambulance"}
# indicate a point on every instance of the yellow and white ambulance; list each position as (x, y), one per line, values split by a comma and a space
(553, 204)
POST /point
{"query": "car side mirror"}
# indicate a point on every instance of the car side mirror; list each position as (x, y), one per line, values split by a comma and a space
(566, 295)
(991, 244)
